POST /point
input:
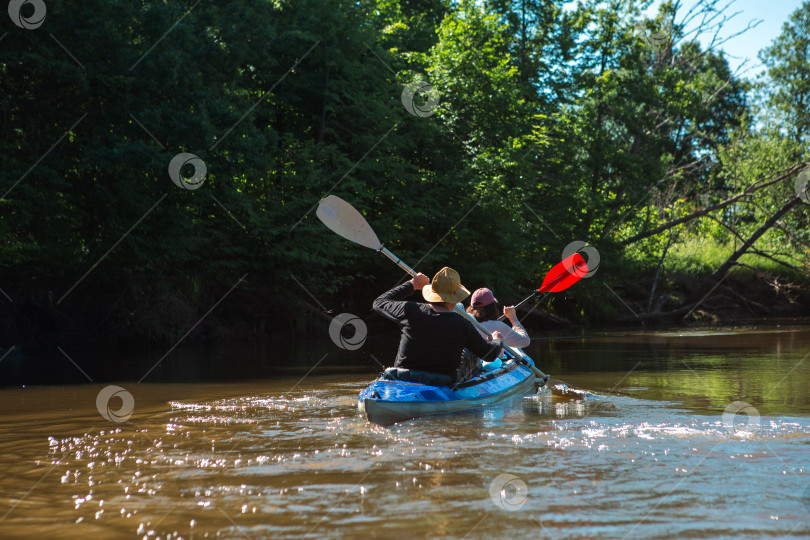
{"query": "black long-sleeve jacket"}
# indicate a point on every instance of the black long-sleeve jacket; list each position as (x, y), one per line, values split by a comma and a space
(431, 340)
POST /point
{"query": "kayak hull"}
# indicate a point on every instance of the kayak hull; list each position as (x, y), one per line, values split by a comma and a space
(386, 402)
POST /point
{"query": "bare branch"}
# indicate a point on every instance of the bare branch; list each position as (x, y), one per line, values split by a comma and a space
(791, 171)
(759, 252)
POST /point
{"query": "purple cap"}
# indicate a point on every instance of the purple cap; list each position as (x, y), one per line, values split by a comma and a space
(482, 297)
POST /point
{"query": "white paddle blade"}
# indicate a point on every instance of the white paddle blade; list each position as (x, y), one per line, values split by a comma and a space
(343, 219)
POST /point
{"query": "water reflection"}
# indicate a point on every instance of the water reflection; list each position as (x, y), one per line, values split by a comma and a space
(639, 449)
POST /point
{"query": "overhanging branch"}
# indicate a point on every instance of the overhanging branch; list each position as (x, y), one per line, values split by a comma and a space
(790, 172)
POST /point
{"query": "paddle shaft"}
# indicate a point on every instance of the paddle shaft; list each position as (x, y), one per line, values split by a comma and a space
(397, 261)
(534, 293)
(503, 317)
(385, 251)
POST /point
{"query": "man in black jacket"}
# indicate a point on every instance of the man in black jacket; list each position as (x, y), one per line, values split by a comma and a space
(433, 335)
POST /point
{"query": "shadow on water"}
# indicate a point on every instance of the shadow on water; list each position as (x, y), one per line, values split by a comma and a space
(214, 362)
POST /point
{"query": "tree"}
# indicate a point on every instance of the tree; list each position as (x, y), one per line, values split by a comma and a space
(787, 61)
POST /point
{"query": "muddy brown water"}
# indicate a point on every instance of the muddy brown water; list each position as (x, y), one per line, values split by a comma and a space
(676, 434)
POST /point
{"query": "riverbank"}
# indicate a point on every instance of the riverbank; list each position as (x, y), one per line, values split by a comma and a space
(747, 294)
(257, 311)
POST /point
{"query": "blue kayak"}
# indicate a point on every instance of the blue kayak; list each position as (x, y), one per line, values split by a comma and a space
(388, 401)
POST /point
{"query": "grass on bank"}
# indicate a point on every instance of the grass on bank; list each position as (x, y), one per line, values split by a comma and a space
(687, 264)
(700, 257)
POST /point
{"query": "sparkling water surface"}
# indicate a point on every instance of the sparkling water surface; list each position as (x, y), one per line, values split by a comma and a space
(701, 434)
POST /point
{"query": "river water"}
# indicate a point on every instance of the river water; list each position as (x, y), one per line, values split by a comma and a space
(678, 434)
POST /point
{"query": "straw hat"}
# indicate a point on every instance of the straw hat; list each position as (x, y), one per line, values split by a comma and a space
(445, 287)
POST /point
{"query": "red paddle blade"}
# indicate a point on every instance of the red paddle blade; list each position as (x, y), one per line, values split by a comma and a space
(564, 274)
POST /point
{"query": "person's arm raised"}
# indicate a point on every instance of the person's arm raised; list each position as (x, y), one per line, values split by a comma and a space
(517, 335)
(419, 281)
(390, 304)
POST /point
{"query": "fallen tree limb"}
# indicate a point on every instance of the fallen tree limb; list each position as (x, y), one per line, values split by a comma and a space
(759, 252)
(720, 273)
(704, 290)
(787, 232)
(790, 172)
(747, 302)
(658, 269)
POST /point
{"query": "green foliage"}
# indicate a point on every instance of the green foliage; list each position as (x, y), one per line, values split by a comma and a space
(554, 123)
(788, 76)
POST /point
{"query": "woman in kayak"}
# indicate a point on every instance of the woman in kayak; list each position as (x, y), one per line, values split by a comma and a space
(484, 307)
(433, 335)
